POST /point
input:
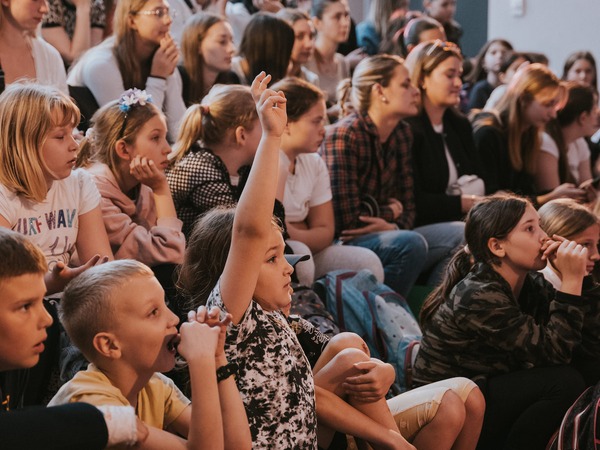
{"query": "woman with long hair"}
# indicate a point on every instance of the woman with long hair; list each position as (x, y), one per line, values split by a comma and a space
(508, 138)
(140, 54)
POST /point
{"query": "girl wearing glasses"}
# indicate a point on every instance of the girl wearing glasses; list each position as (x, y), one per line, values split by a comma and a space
(508, 139)
(141, 54)
(443, 149)
(22, 54)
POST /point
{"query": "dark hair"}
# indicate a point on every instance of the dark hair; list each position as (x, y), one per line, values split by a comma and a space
(206, 255)
(574, 57)
(267, 45)
(514, 56)
(411, 32)
(301, 96)
(580, 99)
(478, 72)
(493, 217)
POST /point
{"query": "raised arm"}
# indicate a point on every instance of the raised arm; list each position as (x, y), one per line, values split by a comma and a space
(252, 223)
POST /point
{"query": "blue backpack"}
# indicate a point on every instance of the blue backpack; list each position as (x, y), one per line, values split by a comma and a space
(361, 304)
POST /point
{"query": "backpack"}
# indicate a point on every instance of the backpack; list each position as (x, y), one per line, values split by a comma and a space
(308, 305)
(361, 304)
(580, 427)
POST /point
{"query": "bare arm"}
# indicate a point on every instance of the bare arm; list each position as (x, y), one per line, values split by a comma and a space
(319, 229)
(82, 36)
(91, 237)
(252, 223)
(546, 176)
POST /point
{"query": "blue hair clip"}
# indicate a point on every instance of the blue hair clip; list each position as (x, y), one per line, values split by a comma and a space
(133, 97)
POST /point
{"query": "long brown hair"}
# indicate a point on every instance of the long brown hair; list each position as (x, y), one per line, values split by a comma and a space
(493, 217)
(196, 29)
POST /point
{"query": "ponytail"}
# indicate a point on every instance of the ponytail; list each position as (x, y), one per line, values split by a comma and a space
(458, 268)
(190, 130)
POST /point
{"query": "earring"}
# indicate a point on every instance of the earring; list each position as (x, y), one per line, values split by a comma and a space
(384, 99)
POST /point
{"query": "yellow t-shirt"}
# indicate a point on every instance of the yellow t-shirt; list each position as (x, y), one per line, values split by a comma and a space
(159, 403)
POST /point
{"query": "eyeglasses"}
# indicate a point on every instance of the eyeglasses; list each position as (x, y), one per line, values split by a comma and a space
(444, 45)
(158, 12)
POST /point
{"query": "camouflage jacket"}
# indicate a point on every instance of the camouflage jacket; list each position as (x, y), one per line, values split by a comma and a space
(481, 329)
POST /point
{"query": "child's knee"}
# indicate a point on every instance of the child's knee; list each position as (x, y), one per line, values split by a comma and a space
(346, 340)
(452, 411)
(475, 404)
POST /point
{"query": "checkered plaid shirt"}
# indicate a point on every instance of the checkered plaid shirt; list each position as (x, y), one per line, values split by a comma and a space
(359, 164)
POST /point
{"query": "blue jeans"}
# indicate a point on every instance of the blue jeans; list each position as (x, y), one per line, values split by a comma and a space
(403, 255)
(442, 241)
(406, 254)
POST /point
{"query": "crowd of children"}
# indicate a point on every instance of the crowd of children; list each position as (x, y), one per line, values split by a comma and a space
(156, 242)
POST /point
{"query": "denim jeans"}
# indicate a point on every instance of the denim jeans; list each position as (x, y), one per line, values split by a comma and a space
(442, 241)
(403, 255)
(406, 254)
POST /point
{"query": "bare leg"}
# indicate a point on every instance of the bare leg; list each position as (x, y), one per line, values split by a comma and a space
(442, 431)
(475, 409)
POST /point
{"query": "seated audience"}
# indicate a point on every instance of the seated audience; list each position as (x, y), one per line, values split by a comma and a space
(266, 46)
(508, 138)
(369, 32)
(140, 54)
(41, 196)
(507, 71)
(22, 54)
(73, 27)
(116, 315)
(443, 151)
(304, 44)
(581, 66)
(565, 155)
(370, 164)
(207, 50)
(25, 322)
(499, 323)
(443, 11)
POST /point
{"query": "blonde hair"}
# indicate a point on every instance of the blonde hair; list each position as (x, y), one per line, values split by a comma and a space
(371, 70)
(28, 112)
(86, 307)
(565, 217)
(225, 108)
(100, 143)
(523, 139)
(196, 29)
(124, 44)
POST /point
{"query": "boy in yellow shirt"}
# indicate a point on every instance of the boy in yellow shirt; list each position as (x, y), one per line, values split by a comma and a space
(116, 314)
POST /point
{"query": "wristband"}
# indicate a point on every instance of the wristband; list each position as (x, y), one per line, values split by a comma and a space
(121, 423)
(226, 371)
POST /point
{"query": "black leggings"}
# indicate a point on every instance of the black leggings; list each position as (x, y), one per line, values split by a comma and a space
(523, 409)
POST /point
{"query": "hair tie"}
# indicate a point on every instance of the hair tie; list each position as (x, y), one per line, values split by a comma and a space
(205, 109)
(466, 249)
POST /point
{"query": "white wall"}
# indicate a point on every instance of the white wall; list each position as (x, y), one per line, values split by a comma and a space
(553, 27)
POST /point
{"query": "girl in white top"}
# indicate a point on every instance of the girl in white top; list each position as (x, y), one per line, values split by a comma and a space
(305, 186)
(565, 155)
(141, 54)
(22, 54)
(40, 195)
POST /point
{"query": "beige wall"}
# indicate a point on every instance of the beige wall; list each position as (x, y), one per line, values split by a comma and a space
(554, 27)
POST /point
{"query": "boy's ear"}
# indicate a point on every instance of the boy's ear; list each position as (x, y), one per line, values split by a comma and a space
(107, 345)
(496, 247)
(122, 150)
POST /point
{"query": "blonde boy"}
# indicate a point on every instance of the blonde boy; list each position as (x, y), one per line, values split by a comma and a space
(116, 314)
(23, 324)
